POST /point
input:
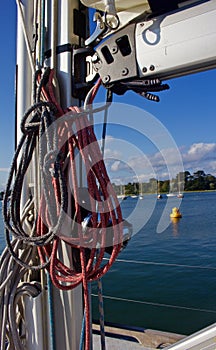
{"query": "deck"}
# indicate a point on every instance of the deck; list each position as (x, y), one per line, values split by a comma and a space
(120, 337)
(123, 338)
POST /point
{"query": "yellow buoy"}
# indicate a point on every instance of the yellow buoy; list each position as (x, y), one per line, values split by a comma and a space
(175, 213)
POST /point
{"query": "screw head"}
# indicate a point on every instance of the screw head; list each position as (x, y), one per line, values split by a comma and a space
(114, 49)
(106, 79)
(144, 70)
(152, 67)
(125, 71)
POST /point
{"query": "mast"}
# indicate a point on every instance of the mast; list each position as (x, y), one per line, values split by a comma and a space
(52, 23)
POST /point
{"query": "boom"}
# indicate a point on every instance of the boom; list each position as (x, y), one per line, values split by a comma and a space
(167, 40)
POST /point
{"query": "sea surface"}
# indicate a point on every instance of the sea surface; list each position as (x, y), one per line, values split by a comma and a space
(165, 279)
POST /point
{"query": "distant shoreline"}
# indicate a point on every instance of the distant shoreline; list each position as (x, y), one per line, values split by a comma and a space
(164, 193)
(198, 191)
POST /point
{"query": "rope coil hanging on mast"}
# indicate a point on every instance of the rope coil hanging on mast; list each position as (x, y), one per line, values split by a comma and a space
(55, 136)
(70, 131)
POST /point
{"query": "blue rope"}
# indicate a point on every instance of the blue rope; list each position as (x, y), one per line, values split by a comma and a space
(51, 313)
(82, 336)
(99, 282)
(101, 313)
(89, 292)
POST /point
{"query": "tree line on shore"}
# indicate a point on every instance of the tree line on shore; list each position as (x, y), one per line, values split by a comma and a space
(184, 181)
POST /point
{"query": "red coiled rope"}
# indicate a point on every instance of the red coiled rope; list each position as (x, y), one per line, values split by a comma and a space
(104, 206)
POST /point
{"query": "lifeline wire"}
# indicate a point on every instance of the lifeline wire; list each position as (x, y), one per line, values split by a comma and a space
(164, 264)
(156, 304)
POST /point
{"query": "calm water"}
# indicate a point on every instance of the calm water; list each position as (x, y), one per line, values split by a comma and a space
(189, 242)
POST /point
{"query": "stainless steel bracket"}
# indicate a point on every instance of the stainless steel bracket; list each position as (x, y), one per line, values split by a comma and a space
(99, 30)
(115, 58)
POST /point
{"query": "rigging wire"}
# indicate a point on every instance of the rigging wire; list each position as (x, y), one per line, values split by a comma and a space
(99, 282)
(165, 264)
(114, 298)
(156, 304)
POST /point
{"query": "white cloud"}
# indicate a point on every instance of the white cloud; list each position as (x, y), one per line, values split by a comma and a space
(200, 156)
(198, 151)
(162, 164)
(127, 164)
(109, 139)
(111, 153)
(212, 165)
(4, 170)
(116, 166)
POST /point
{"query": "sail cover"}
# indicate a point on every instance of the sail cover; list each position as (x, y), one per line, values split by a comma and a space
(119, 5)
(155, 6)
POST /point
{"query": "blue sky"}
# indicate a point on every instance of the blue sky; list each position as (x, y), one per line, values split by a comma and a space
(187, 110)
(7, 72)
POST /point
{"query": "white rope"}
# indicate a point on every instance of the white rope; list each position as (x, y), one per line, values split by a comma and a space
(3, 284)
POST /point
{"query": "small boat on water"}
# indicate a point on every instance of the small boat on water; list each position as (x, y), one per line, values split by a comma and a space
(170, 194)
(122, 197)
(179, 195)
